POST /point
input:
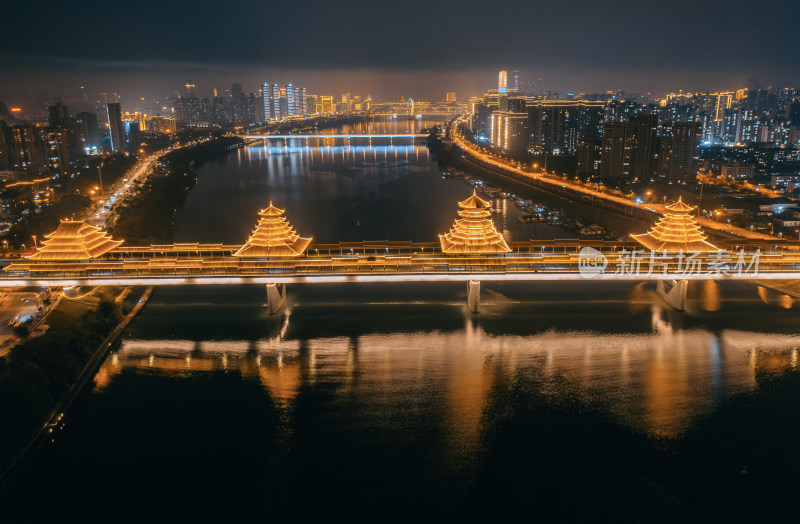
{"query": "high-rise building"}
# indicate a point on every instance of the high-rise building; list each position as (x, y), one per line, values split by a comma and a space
(589, 156)
(300, 100)
(160, 124)
(644, 146)
(6, 146)
(680, 142)
(515, 83)
(266, 100)
(115, 129)
(615, 153)
(69, 135)
(57, 115)
(327, 104)
(27, 149)
(290, 100)
(236, 92)
(313, 105)
(88, 131)
(134, 136)
(275, 98)
(502, 82)
(510, 131)
(451, 96)
(557, 126)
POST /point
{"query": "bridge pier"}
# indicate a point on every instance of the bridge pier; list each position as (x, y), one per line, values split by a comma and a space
(276, 296)
(673, 292)
(474, 295)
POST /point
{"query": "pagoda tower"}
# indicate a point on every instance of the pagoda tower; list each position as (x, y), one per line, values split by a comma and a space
(473, 232)
(676, 231)
(273, 237)
(75, 240)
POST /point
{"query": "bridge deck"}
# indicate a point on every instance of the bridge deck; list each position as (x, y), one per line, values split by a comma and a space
(400, 261)
(285, 137)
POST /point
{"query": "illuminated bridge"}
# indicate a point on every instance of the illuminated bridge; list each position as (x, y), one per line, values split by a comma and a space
(368, 135)
(673, 252)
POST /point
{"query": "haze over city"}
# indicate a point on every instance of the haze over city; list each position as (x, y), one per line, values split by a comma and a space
(417, 49)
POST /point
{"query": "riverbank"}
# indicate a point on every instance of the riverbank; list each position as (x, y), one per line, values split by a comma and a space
(609, 210)
(41, 376)
(612, 217)
(149, 217)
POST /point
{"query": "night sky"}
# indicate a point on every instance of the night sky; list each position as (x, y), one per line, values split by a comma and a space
(393, 49)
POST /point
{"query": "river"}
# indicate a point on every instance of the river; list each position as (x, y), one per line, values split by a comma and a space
(389, 394)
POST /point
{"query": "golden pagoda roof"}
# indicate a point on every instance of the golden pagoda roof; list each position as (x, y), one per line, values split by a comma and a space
(75, 240)
(273, 237)
(473, 232)
(676, 231)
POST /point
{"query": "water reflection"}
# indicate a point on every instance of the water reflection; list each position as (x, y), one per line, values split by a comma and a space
(658, 381)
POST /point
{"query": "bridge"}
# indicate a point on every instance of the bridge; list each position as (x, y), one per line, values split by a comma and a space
(672, 253)
(369, 135)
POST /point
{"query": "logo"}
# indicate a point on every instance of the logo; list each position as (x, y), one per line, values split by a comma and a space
(591, 262)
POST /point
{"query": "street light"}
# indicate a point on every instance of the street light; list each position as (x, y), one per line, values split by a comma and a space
(100, 175)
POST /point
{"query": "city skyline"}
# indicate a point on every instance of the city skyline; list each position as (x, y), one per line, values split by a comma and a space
(429, 258)
(692, 46)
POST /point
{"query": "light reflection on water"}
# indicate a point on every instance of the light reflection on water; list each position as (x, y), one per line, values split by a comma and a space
(388, 390)
(658, 381)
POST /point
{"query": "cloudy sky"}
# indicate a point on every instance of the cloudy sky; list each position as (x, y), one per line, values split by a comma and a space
(392, 49)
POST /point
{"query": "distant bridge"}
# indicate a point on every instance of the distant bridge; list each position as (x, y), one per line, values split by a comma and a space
(287, 137)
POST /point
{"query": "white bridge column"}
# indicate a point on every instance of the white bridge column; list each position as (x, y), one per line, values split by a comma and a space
(276, 296)
(673, 292)
(474, 295)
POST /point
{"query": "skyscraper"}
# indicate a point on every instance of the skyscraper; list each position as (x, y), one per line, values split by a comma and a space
(57, 115)
(644, 146)
(290, 101)
(679, 148)
(276, 101)
(115, 129)
(615, 153)
(87, 126)
(300, 100)
(502, 82)
(266, 99)
(327, 104)
(515, 84)
(5, 146)
(27, 149)
(236, 92)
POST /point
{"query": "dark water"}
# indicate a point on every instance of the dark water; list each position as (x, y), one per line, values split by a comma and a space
(568, 399)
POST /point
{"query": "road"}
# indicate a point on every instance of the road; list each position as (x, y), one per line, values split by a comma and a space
(99, 214)
(488, 158)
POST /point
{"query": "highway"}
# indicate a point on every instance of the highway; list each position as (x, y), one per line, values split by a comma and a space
(99, 214)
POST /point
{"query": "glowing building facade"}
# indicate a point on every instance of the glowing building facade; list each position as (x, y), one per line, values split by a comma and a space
(473, 232)
(676, 231)
(273, 237)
